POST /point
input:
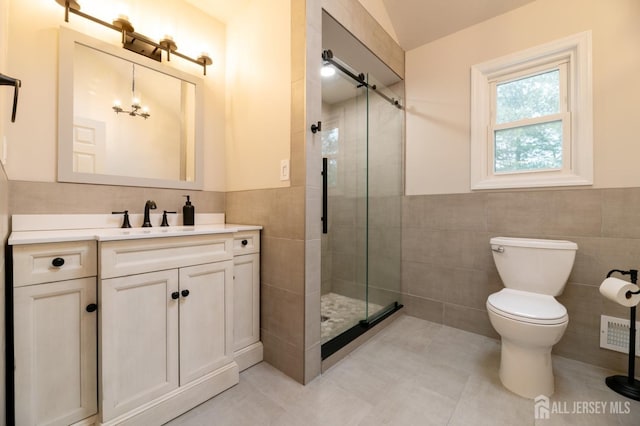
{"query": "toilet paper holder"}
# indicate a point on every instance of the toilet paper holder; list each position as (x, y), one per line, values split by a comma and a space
(628, 385)
(633, 276)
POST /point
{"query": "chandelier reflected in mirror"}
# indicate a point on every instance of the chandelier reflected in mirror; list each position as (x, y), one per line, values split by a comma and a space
(137, 110)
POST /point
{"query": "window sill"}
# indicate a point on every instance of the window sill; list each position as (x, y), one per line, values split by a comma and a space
(508, 182)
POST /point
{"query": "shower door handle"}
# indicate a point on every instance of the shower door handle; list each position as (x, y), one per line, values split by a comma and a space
(325, 197)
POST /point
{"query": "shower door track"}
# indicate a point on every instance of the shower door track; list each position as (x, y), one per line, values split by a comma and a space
(346, 337)
(327, 56)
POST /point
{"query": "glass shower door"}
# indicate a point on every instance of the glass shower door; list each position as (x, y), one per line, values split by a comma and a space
(343, 137)
(344, 245)
(362, 149)
(384, 196)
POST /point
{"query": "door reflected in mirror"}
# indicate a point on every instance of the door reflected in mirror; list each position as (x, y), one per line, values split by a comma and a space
(125, 121)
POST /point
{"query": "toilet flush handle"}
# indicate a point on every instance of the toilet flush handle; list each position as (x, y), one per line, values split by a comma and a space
(497, 249)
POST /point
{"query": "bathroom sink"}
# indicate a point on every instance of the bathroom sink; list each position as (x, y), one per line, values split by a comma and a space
(165, 230)
(131, 233)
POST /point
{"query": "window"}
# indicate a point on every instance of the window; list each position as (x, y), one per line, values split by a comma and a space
(531, 117)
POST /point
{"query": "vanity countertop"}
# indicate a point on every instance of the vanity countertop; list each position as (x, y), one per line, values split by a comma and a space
(29, 229)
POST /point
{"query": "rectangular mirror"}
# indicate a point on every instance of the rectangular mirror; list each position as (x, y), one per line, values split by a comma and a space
(125, 119)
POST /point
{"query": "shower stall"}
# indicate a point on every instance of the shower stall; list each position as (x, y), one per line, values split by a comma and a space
(362, 148)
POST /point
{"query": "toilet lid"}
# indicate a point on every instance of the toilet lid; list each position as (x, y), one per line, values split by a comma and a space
(528, 307)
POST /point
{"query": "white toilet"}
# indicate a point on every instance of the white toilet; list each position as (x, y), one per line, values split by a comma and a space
(525, 313)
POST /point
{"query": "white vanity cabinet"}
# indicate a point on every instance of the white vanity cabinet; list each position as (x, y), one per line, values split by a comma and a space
(246, 293)
(55, 326)
(129, 327)
(166, 326)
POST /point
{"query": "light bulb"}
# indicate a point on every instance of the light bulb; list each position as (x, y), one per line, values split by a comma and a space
(327, 71)
(135, 101)
(117, 103)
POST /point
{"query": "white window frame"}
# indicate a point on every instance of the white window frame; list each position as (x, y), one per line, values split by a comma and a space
(572, 53)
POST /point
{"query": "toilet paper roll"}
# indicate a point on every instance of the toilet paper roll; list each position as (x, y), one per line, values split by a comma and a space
(616, 290)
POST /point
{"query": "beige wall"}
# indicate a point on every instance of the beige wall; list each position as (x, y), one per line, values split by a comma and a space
(33, 57)
(258, 107)
(438, 84)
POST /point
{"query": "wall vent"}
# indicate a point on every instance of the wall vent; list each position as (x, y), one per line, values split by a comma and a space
(614, 334)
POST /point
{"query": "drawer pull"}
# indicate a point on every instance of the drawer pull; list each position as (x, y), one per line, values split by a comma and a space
(175, 295)
(244, 242)
(185, 293)
(92, 307)
(57, 262)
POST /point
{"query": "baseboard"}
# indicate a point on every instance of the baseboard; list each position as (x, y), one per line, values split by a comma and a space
(246, 357)
(181, 400)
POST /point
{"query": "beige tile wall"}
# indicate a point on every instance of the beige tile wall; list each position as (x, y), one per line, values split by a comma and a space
(311, 27)
(281, 213)
(448, 270)
(57, 198)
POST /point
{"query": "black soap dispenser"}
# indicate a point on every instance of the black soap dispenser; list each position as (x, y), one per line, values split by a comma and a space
(188, 213)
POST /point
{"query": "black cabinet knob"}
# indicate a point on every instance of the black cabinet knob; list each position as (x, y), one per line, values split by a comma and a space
(245, 242)
(185, 293)
(92, 307)
(175, 295)
(57, 262)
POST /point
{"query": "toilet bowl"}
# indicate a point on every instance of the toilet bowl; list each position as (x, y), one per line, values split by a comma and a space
(525, 313)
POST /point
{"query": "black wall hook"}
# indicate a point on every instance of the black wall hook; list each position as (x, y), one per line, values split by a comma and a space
(10, 81)
(316, 127)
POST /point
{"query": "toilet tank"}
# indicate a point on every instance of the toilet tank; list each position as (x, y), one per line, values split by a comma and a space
(538, 266)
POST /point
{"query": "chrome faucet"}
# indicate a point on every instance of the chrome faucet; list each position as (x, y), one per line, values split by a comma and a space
(150, 204)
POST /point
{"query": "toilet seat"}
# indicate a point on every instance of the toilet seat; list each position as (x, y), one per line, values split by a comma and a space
(527, 307)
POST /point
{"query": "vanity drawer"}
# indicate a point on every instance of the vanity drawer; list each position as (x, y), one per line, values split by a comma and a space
(41, 263)
(128, 257)
(246, 242)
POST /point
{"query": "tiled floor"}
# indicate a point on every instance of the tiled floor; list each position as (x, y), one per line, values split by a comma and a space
(340, 313)
(412, 373)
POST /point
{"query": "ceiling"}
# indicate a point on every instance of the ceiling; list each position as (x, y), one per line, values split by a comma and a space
(417, 22)
(411, 22)
(223, 10)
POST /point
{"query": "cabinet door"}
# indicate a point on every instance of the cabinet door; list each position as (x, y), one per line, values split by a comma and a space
(246, 304)
(206, 313)
(55, 352)
(139, 340)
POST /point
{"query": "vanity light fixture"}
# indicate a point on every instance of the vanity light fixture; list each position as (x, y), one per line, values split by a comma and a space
(137, 110)
(136, 42)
